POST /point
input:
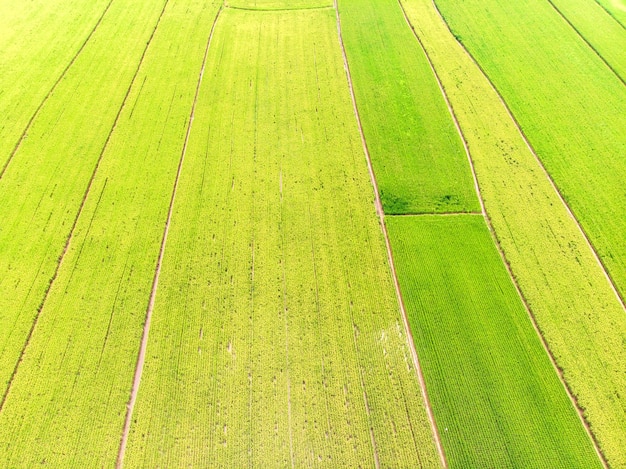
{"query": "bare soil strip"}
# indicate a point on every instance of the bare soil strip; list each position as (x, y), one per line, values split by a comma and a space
(381, 216)
(587, 42)
(56, 83)
(495, 239)
(79, 212)
(155, 283)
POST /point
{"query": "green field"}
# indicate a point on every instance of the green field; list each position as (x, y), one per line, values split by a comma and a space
(297, 233)
(292, 303)
(496, 398)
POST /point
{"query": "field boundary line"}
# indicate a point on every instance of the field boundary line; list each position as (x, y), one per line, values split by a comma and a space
(543, 168)
(233, 7)
(498, 246)
(434, 214)
(54, 86)
(155, 282)
(381, 217)
(70, 236)
(608, 12)
(591, 46)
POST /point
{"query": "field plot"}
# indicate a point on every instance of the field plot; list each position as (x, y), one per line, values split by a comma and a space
(276, 338)
(67, 403)
(279, 4)
(616, 8)
(35, 52)
(570, 105)
(605, 35)
(416, 152)
(42, 189)
(495, 395)
(573, 304)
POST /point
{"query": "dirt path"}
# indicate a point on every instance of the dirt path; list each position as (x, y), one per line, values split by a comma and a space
(56, 83)
(492, 231)
(80, 209)
(155, 283)
(381, 216)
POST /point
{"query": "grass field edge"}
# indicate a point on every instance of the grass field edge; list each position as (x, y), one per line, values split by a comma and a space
(47, 96)
(80, 208)
(381, 216)
(146, 329)
(496, 241)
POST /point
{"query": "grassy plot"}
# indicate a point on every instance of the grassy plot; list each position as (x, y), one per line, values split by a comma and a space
(569, 104)
(276, 338)
(574, 306)
(416, 152)
(496, 398)
(605, 35)
(616, 8)
(67, 403)
(279, 4)
(42, 189)
(38, 40)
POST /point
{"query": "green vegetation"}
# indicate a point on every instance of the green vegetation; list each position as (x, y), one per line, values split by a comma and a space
(574, 306)
(416, 151)
(279, 4)
(67, 403)
(35, 52)
(616, 8)
(43, 187)
(605, 35)
(568, 102)
(288, 346)
(496, 398)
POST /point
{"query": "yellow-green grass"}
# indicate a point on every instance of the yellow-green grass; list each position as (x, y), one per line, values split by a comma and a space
(67, 403)
(416, 152)
(43, 187)
(570, 105)
(38, 40)
(576, 310)
(276, 337)
(605, 35)
(279, 4)
(616, 8)
(496, 398)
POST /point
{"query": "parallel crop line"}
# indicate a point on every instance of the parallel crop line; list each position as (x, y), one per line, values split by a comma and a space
(436, 214)
(80, 210)
(146, 329)
(619, 77)
(45, 99)
(543, 168)
(381, 216)
(497, 242)
(232, 7)
(608, 12)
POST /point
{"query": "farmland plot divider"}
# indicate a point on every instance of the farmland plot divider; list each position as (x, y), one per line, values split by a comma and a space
(56, 83)
(381, 216)
(619, 77)
(610, 14)
(155, 283)
(543, 168)
(532, 318)
(83, 201)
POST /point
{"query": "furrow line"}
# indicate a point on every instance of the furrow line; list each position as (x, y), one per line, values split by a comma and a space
(531, 316)
(608, 12)
(541, 165)
(430, 214)
(80, 210)
(619, 77)
(56, 83)
(232, 7)
(155, 282)
(381, 216)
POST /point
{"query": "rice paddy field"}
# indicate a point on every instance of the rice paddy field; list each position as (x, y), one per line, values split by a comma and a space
(313, 233)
